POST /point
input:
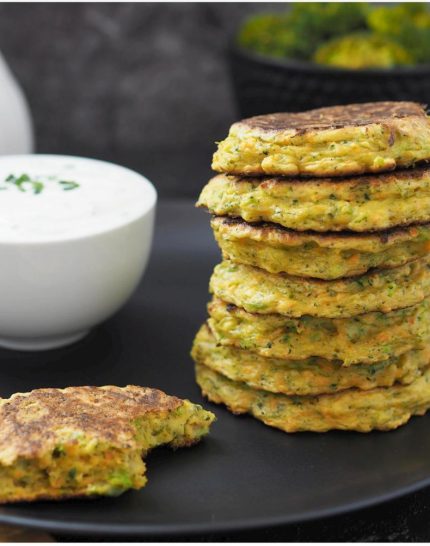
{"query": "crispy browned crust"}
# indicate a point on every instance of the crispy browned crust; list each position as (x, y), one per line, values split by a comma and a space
(321, 174)
(288, 235)
(335, 117)
(30, 422)
(415, 173)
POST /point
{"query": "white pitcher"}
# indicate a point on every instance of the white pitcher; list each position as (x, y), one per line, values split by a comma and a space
(16, 128)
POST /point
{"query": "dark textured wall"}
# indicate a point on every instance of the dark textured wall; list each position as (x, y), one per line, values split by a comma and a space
(145, 84)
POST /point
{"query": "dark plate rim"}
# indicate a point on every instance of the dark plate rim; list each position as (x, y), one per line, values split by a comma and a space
(239, 525)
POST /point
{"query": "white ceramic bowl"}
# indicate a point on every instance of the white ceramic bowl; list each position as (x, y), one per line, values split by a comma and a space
(74, 242)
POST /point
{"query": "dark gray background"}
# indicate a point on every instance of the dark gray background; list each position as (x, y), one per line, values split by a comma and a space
(145, 85)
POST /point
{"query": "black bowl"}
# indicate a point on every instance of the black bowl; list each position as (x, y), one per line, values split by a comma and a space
(263, 84)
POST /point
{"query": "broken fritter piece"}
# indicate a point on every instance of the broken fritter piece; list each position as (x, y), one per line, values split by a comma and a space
(85, 441)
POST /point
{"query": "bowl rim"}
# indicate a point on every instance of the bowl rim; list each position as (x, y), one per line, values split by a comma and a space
(309, 66)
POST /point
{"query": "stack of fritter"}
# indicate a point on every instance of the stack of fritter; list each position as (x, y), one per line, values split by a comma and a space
(320, 316)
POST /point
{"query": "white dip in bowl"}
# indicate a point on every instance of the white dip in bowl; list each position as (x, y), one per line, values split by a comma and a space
(75, 236)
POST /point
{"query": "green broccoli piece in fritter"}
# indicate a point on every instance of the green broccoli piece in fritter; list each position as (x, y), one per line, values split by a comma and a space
(362, 50)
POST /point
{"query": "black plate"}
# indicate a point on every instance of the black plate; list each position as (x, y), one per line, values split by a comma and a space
(244, 475)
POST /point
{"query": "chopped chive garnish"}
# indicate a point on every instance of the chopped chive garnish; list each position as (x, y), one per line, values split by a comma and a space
(19, 182)
(24, 183)
(68, 185)
(37, 187)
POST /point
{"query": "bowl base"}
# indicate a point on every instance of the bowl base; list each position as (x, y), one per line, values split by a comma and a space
(40, 343)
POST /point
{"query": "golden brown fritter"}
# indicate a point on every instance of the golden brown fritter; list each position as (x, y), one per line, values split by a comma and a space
(360, 204)
(362, 411)
(320, 255)
(333, 141)
(372, 337)
(258, 291)
(311, 376)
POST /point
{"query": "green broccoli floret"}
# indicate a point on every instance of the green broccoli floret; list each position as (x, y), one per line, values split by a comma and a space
(408, 24)
(317, 22)
(362, 50)
(270, 35)
(298, 32)
(395, 35)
